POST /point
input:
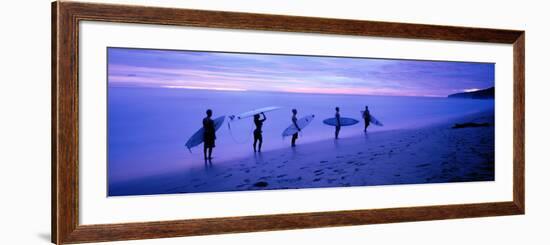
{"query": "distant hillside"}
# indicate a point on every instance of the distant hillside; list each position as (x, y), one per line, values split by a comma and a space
(488, 93)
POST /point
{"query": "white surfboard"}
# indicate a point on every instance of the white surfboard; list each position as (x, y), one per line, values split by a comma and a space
(302, 123)
(344, 121)
(373, 120)
(254, 112)
(198, 137)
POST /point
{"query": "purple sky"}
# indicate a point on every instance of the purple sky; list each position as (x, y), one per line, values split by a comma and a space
(285, 73)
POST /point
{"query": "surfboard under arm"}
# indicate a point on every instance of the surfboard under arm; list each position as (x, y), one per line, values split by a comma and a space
(373, 120)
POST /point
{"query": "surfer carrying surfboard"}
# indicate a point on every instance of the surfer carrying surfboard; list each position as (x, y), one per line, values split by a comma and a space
(209, 134)
(338, 124)
(294, 121)
(366, 118)
(258, 138)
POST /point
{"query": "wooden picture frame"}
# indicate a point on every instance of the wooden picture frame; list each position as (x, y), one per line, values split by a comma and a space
(65, 121)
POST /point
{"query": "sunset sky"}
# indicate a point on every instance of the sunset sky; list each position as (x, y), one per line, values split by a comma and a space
(298, 74)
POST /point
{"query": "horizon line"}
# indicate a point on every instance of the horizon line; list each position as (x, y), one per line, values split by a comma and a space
(269, 91)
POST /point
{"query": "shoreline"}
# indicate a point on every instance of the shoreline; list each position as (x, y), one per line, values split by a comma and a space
(435, 153)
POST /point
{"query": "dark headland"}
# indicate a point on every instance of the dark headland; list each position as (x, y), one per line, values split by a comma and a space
(488, 93)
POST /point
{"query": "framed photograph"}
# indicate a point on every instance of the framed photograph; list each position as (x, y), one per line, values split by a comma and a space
(176, 122)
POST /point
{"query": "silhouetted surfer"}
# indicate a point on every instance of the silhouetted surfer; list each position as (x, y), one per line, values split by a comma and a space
(338, 125)
(209, 134)
(258, 131)
(366, 117)
(295, 122)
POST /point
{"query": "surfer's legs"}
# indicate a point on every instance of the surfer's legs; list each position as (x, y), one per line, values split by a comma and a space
(294, 137)
(210, 153)
(209, 143)
(337, 132)
(258, 138)
(259, 145)
(208, 149)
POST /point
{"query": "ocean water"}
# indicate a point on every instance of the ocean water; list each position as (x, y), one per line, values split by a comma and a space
(148, 127)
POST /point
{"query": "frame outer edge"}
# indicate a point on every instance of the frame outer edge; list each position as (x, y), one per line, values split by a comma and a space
(65, 99)
(519, 122)
(65, 121)
(54, 184)
(143, 14)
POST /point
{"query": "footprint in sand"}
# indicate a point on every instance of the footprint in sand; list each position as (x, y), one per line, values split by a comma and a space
(359, 153)
(282, 175)
(227, 176)
(261, 184)
(315, 180)
(423, 165)
(323, 161)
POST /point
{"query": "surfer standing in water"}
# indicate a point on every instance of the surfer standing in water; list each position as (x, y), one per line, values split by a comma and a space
(295, 122)
(209, 134)
(338, 125)
(258, 131)
(366, 117)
